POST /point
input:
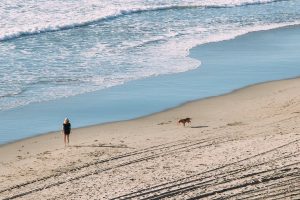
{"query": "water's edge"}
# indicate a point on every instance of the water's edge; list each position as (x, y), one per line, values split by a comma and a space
(88, 114)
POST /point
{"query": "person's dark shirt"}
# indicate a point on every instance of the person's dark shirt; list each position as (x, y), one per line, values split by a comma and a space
(67, 128)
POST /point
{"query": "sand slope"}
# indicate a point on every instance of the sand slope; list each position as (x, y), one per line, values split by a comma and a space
(244, 145)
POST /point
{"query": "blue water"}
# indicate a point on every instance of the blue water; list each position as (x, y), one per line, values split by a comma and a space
(102, 62)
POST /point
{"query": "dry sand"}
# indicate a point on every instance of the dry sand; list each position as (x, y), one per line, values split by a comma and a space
(243, 145)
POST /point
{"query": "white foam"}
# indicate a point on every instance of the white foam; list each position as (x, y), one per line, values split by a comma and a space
(33, 17)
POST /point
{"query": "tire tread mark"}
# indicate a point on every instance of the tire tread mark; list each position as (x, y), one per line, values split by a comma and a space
(155, 188)
(250, 183)
(102, 170)
(88, 165)
(243, 193)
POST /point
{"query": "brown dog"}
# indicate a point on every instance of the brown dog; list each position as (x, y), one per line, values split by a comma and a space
(184, 121)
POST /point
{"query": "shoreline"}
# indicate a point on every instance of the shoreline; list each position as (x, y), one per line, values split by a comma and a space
(54, 134)
(235, 131)
(152, 114)
(134, 98)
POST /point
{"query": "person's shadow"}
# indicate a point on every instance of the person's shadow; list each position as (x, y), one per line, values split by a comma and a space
(199, 126)
(105, 146)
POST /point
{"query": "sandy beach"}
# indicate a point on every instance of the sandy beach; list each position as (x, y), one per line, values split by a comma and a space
(242, 145)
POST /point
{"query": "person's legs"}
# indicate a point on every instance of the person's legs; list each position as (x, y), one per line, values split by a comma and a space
(68, 140)
(65, 139)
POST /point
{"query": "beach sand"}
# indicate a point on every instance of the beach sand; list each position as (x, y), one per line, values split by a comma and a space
(245, 144)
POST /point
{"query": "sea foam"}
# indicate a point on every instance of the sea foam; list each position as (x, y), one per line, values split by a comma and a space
(35, 17)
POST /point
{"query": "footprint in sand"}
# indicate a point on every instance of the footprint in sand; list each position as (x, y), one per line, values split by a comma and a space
(235, 124)
(163, 123)
(46, 153)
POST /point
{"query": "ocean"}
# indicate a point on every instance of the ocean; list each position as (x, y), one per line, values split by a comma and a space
(61, 58)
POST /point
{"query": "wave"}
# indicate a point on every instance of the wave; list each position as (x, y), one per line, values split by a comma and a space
(250, 29)
(121, 13)
(154, 40)
(13, 93)
(56, 81)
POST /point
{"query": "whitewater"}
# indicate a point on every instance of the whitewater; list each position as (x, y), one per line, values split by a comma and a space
(61, 48)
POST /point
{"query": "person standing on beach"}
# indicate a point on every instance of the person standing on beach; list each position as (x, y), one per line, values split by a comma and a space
(66, 131)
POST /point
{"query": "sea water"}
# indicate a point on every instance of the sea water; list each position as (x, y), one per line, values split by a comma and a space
(63, 58)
